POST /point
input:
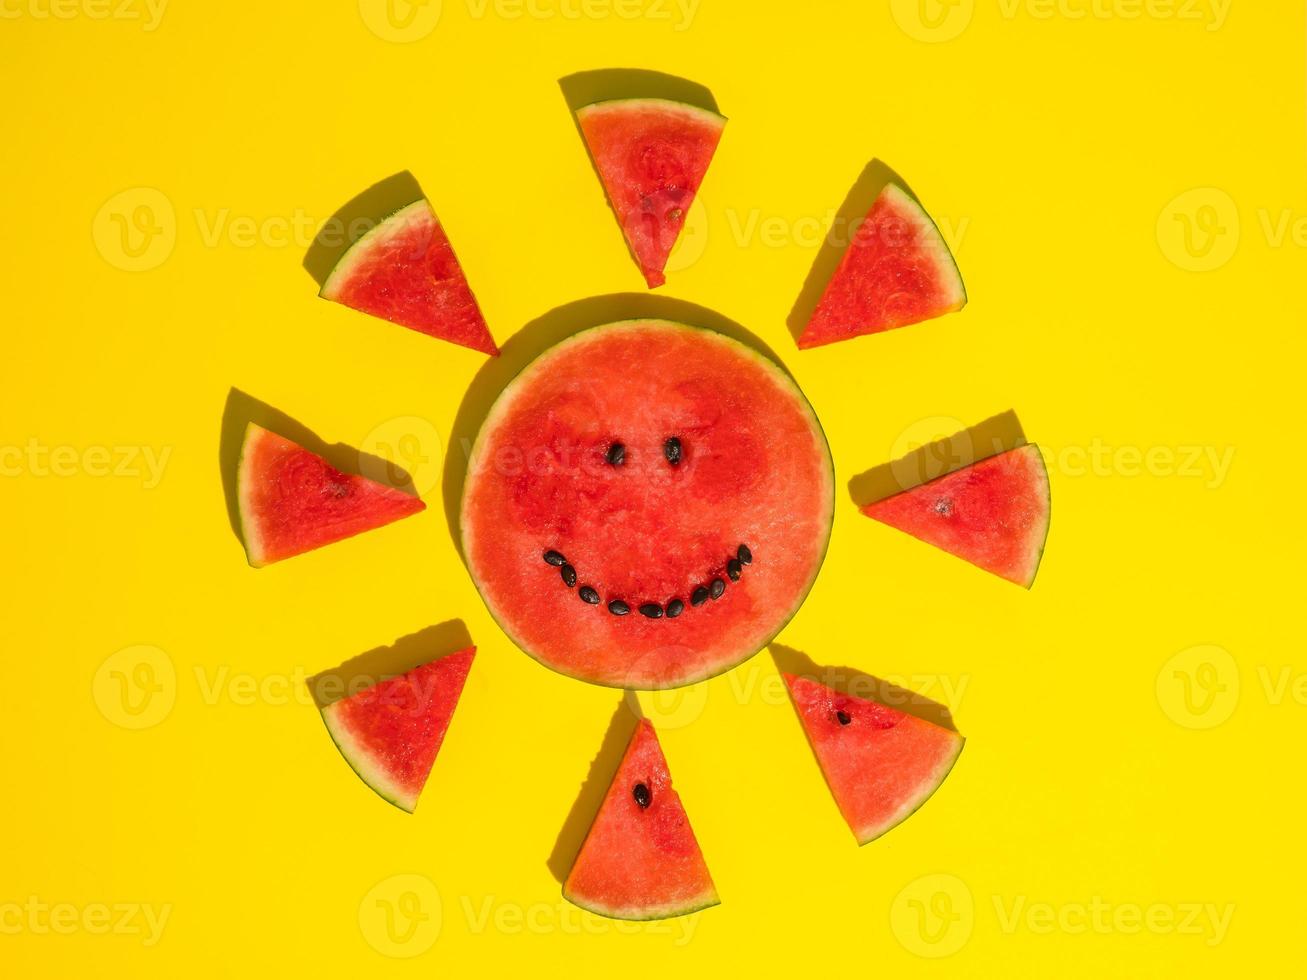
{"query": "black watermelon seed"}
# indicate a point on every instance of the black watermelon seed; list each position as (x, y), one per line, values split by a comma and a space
(675, 608)
(569, 575)
(618, 608)
(699, 596)
(734, 568)
(642, 795)
(555, 558)
(744, 554)
(616, 454)
(652, 610)
(716, 587)
(589, 595)
(672, 450)
(843, 717)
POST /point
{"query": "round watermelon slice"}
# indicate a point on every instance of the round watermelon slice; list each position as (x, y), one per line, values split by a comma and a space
(647, 505)
(640, 859)
(404, 270)
(292, 500)
(897, 270)
(994, 513)
(391, 732)
(651, 155)
(881, 764)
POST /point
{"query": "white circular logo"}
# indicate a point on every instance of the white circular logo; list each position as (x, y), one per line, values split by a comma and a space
(400, 21)
(136, 229)
(932, 21)
(136, 687)
(400, 917)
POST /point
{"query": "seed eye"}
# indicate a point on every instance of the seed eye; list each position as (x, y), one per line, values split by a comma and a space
(616, 454)
(842, 717)
(672, 450)
(642, 796)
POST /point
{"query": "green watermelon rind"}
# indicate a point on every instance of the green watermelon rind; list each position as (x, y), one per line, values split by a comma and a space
(250, 536)
(346, 264)
(504, 401)
(1037, 551)
(360, 760)
(686, 108)
(648, 913)
(927, 789)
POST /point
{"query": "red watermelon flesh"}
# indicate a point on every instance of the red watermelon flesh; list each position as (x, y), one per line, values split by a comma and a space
(753, 470)
(993, 513)
(404, 270)
(651, 155)
(641, 861)
(880, 764)
(391, 732)
(292, 500)
(897, 270)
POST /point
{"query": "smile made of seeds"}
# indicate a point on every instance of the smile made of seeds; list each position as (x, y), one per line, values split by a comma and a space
(673, 607)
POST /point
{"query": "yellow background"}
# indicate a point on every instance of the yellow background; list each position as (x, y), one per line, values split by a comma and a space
(1108, 763)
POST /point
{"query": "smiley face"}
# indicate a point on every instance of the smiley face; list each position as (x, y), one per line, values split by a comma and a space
(647, 504)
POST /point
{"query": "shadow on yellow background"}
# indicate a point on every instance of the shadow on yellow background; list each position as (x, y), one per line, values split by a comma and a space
(939, 458)
(376, 665)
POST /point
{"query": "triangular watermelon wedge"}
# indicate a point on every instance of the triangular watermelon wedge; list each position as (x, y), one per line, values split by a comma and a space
(651, 155)
(897, 270)
(404, 270)
(881, 764)
(640, 859)
(993, 513)
(292, 501)
(391, 732)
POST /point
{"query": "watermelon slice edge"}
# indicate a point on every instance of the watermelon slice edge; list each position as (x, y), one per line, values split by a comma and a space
(880, 764)
(897, 270)
(651, 156)
(291, 501)
(641, 862)
(416, 709)
(994, 513)
(404, 269)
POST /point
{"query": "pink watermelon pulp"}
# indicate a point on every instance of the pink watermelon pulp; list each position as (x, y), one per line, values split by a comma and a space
(896, 271)
(292, 501)
(880, 764)
(404, 270)
(391, 732)
(640, 859)
(993, 513)
(633, 573)
(651, 155)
